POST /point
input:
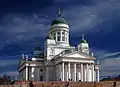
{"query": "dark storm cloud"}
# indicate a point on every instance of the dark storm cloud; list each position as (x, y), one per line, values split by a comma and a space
(30, 6)
(24, 5)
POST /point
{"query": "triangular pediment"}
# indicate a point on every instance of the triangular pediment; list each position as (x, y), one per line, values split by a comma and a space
(76, 54)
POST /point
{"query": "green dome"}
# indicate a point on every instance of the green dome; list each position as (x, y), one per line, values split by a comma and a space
(59, 20)
(37, 48)
(83, 41)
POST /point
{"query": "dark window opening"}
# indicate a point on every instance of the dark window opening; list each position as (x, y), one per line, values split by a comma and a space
(58, 33)
(41, 78)
(58, 38)
(54, 38)
(63, 33)
(41, 70)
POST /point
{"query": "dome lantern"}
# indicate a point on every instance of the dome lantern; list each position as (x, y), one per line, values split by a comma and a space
(83, 40)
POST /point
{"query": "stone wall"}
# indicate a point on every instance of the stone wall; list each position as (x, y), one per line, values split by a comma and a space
(65, 84)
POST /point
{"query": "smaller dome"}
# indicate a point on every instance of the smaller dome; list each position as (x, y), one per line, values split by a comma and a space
(37, 48)
(83, 41)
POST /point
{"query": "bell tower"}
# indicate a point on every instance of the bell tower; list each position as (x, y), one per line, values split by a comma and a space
(83, 46)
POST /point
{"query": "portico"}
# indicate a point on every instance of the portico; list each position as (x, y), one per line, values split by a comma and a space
(73, 71)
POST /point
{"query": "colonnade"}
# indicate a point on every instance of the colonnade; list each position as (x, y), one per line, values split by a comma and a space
(67, 71)
(75, 71)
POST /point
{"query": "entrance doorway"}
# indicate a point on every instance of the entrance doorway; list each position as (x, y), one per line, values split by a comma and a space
(41, 78)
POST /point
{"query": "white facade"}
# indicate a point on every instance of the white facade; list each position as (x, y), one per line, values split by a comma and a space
(60, 61)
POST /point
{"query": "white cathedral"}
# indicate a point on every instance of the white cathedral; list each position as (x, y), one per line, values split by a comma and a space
(60, 61)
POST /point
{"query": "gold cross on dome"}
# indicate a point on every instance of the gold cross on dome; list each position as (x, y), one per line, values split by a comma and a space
(59, 12)
(82, 36)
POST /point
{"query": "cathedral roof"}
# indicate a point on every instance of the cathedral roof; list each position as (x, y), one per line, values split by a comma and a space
(21, 61)
(59, 19)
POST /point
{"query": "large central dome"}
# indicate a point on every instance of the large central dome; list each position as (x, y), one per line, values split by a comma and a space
(59, 20)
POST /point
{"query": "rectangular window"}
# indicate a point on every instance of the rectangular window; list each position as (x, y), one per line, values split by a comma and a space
(63, 38)
(58, 38)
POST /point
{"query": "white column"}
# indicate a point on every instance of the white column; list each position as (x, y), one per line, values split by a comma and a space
(66, 73)
(81, 71)
(87, 73)
(74, 71)
(26, 73)
(56, 36)
(63, 71)
(93, 74)
(60, 72)
(47, 74)
(98, 76)
(68, 36)
(69, 73)
(95, 79)
(79, 77)
(56, 73)
(60, 35)
(32, 73)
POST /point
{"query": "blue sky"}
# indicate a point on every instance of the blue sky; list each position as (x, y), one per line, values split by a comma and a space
(25, 23)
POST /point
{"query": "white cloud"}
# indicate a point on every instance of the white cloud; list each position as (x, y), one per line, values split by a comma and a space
(110, 54)
(109, 62)
(102, 54)
(12, 73)
(109, 67)
(8, 62)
